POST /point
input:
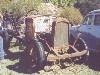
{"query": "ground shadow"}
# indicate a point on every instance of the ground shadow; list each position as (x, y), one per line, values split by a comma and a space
(21, 67)
(94, 61)
(13, 55)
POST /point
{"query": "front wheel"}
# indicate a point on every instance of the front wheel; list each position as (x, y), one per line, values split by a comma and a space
(40, 53)
(34, 55)
(80, 47)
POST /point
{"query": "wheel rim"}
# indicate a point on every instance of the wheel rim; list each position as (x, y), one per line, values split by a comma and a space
(80, 46)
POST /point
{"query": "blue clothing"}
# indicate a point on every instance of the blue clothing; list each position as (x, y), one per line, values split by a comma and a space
(2, 53)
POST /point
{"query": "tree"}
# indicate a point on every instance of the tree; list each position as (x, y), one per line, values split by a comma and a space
(18, 8)
(86, 6)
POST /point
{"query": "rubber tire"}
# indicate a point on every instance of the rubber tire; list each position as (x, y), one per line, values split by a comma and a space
(40, 53)
(26, 59)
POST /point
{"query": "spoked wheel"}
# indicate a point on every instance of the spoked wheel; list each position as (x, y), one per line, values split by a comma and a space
(81, 47)
(79, 50)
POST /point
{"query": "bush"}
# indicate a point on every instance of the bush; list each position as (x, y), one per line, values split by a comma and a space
(72, 14)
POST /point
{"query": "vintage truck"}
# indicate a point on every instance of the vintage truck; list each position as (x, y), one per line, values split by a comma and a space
(48, 40)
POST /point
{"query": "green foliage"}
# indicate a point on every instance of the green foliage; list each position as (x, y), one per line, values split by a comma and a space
(19, 7)
(63, 3)
(15, 9)
(72, 14)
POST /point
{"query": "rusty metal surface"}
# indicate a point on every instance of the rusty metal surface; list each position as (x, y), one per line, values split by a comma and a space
(52, 57)
(30, 28)
(61, 33)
